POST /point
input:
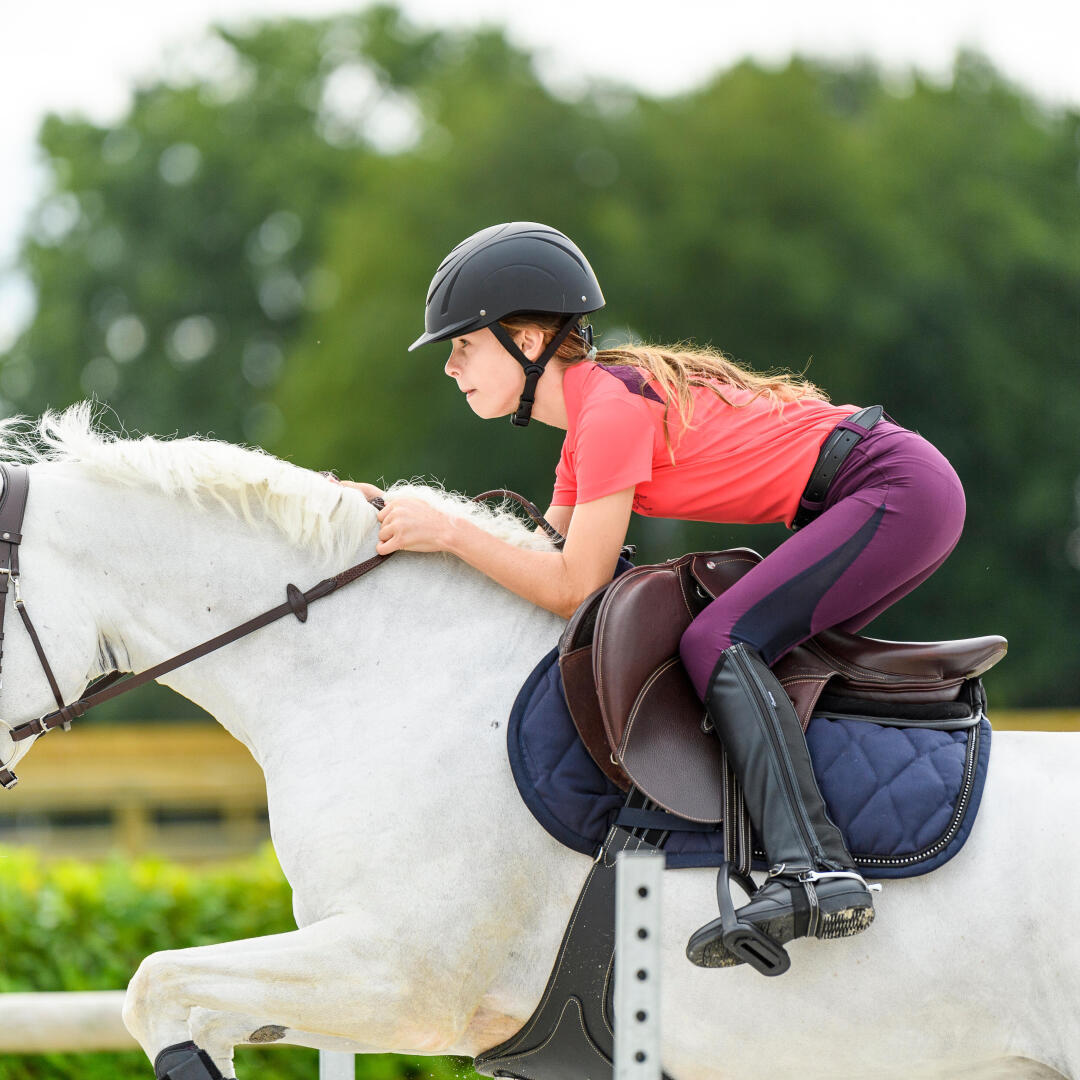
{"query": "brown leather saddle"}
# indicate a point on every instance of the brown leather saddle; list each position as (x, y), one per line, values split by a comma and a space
(642, 722)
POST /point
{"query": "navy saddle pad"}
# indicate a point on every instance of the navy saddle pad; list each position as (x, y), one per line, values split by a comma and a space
(904, 797)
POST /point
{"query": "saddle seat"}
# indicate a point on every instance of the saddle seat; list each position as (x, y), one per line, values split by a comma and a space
(642, 723)
(912, 662)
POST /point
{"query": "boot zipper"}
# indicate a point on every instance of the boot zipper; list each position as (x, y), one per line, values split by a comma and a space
(756, 688)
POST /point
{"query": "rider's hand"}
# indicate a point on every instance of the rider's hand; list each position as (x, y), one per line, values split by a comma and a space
(411, 525)
(369, 491)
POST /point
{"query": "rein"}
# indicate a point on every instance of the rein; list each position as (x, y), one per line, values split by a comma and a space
(12, 508)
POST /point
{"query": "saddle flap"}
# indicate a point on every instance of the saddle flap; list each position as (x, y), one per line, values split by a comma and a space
(579, 690)
(672, 756)
(641, 619)
(578, 632)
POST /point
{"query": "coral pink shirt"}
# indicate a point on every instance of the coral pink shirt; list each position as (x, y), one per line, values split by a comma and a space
(735, 465)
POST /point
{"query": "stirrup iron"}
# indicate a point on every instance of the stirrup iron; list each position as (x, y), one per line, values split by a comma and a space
(742, 939)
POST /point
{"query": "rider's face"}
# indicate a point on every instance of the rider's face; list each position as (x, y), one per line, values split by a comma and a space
(490, 378)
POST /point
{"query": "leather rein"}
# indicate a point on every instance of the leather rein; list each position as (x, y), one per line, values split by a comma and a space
(12, 508)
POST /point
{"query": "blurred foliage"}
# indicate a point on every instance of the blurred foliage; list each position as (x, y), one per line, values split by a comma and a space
(77, 926)
(247, 255)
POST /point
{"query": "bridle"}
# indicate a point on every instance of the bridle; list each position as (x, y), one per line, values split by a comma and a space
(12, 508)
(112, 684)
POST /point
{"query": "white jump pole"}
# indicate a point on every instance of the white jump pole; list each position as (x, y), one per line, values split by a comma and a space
(78, 1022)
(335, 1065)
(63, 1021)
(638, 877)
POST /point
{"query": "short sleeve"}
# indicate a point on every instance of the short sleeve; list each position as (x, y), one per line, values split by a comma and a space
(613, 448)
(565, 493)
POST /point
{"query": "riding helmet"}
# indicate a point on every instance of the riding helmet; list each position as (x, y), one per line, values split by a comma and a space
(502, 270)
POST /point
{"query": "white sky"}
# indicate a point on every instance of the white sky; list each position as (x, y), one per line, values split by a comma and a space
(70, 55)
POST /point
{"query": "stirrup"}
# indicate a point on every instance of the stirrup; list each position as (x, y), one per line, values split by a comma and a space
(743, 939)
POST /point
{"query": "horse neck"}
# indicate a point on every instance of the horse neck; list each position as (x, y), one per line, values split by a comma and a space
(162, 575)
(422, 636)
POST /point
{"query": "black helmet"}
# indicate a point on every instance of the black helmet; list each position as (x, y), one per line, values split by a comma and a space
(505, 269)
(519, 266)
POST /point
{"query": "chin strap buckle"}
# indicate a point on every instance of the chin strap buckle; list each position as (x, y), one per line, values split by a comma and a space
(533, 368)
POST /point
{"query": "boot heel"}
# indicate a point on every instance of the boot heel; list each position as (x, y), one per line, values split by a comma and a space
(845, 923)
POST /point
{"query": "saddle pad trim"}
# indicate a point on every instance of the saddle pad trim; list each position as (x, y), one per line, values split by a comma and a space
(976, 763)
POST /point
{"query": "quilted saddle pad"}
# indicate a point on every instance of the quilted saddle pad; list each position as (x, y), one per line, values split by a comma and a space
(905, 798)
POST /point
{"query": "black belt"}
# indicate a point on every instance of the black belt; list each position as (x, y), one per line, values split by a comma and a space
(833, 451)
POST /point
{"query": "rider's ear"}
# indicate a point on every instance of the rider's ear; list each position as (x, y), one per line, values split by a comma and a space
(531, 342)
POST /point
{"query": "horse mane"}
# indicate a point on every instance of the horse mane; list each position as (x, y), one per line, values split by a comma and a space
(308, 510)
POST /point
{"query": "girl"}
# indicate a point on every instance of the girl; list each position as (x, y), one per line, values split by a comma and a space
(687, 433)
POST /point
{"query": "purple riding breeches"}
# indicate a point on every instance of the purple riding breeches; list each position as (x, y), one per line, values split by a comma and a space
(893, 513)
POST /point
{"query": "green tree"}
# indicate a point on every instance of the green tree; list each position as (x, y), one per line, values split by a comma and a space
(267, 239)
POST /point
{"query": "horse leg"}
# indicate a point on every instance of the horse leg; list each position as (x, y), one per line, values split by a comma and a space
(336, 984)
(219, 1033)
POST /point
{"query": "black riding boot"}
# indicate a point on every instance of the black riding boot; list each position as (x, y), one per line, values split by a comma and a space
(813, 889)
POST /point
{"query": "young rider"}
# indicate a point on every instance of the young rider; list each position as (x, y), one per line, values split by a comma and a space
(687, 433)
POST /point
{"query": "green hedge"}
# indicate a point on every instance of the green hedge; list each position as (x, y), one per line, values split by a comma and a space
(86, 926)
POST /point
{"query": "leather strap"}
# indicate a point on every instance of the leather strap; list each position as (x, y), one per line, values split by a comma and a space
(833, 451)
(12, 507)
(66, 713)
(533, 368)
(628, 550)
(571, 1032)
(738, 845)
(531, 509)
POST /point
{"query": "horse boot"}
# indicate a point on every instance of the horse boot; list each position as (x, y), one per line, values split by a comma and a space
(813, 888)
(185, 1061)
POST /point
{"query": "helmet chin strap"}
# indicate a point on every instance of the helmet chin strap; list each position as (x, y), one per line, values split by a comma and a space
(533, 368)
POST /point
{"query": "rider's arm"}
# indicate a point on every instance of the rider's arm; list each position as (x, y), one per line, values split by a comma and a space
(558, 517)
(556, 580)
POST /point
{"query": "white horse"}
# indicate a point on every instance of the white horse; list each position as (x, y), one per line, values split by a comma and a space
(429, 903)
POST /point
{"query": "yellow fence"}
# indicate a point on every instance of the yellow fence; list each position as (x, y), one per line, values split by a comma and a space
(188, 791)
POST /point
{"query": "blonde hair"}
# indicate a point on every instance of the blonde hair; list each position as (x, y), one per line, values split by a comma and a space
(677, 369)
